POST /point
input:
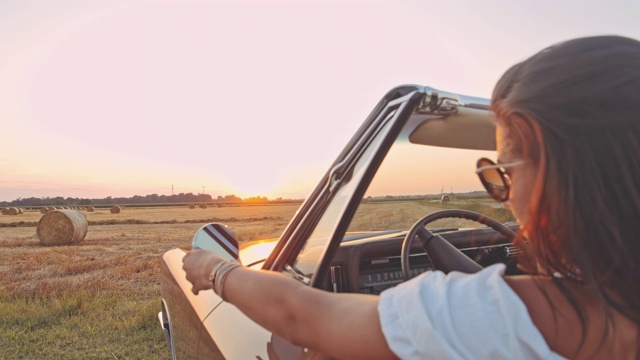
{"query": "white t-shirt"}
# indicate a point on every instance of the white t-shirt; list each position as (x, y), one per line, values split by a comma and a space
(460, 316)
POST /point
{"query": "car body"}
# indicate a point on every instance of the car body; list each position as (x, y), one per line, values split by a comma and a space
(348, 234)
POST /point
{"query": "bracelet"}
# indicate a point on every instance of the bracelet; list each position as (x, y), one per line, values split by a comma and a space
(212, 275)
(219, 275)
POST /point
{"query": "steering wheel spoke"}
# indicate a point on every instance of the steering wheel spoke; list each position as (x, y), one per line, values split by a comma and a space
(424, 235)
(441, 253)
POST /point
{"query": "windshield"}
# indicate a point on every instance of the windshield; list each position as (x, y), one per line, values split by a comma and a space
(412, 181)
(415, 180)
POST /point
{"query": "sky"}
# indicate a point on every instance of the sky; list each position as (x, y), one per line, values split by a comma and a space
(122, 98)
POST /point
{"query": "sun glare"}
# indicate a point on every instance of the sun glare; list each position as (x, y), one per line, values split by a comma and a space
(256, 250)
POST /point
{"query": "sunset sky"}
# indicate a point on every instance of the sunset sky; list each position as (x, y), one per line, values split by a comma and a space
(123, 98)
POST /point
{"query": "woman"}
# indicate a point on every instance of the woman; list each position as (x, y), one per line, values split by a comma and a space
(568, 134)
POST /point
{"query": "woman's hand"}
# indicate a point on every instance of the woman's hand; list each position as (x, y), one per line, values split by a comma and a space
(198, 264)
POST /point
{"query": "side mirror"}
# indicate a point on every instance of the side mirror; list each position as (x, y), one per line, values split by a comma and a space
(217, 238)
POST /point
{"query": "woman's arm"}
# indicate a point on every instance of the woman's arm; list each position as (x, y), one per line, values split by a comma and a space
(338, 325)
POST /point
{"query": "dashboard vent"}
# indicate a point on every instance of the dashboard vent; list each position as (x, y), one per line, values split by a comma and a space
(512, 251)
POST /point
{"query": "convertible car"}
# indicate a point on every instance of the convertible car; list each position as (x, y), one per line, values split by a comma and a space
(384, 212)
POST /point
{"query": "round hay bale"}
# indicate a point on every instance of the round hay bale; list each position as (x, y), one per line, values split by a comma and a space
(191, 206)
(90, 208)
(203, 206)
(43, 210)
(5, 211)
(62, 227)
(13, 211)
(20, 211)
(115, 209)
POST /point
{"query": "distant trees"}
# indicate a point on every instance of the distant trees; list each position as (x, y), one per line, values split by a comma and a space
(231, 198)
(33, 201)
(136, 199)
(155, 199)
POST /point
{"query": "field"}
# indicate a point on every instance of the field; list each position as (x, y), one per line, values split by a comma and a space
(99, 299)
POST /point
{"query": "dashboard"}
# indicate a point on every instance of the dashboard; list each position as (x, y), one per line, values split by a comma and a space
(379, 274)
(372, 264)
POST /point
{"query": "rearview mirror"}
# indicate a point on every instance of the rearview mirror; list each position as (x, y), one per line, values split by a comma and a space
(217, 238)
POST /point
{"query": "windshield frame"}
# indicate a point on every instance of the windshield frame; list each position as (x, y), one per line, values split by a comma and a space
(406, 105)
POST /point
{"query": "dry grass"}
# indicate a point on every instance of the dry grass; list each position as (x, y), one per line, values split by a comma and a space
(98, 299)
(166, 214)
(403, 214)
(108, 251)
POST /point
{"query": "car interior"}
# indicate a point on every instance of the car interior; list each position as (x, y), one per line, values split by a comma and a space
(430, 168)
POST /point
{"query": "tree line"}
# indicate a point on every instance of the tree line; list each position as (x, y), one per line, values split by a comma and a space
(136, 199)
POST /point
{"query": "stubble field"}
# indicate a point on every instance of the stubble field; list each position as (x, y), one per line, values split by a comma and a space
(99, 299)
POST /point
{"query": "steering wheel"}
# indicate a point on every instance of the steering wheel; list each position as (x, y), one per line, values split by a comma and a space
(443, 255)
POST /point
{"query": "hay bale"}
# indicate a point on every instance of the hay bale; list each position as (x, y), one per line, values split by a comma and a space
(203, 206)
(192, 206)
(90, 208)
(62, 227)
(5, 211)
(115, 209)
(43, 210)
(13, 211)
(20, 211)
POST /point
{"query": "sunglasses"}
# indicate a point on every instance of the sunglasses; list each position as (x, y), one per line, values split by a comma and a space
(494, 178)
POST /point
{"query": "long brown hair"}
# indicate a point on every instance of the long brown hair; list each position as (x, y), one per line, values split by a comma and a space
(574, 108)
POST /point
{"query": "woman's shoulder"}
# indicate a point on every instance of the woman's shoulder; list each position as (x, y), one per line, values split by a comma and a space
(560, 324)
(487, 311)
(460, 315)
